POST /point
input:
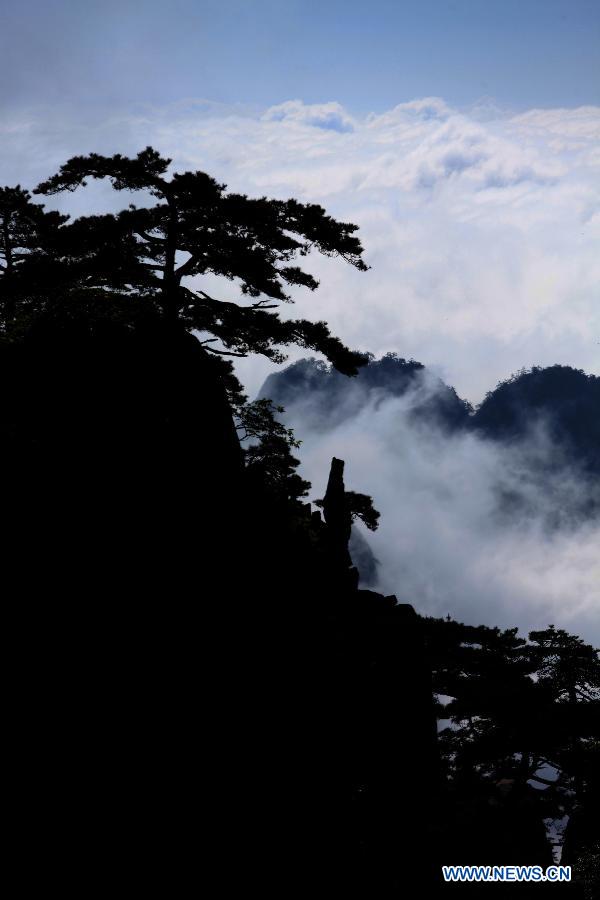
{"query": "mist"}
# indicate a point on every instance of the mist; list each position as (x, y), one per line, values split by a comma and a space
(489, 533)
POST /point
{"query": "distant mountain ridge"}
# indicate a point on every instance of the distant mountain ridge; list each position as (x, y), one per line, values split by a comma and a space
(326, 398)
(562, 400)
(565, 399)
(544, 424)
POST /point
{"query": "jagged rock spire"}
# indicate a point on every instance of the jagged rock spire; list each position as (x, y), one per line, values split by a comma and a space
(337, 515)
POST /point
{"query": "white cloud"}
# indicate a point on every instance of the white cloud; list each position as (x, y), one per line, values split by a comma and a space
(482, 232)
(443, 544)
(330, 116)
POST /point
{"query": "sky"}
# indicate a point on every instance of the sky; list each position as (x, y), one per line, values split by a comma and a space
(462, 137)
(367, 56)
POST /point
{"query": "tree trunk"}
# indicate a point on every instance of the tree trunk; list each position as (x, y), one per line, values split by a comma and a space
(170, 289)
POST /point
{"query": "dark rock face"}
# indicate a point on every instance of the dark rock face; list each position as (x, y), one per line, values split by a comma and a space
(104, 432)
(337, 517)
(373, 772)
(198, 683)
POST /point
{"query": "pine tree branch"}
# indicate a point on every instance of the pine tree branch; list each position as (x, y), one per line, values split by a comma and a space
(149, 237)
(225, 352)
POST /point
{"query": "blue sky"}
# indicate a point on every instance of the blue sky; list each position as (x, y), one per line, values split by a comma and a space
(367, 56)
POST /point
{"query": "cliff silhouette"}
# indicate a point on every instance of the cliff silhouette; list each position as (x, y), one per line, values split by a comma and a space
(197, 661)
(198, 664)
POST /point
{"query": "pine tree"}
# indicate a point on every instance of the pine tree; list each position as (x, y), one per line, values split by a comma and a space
(28, 258)
(254, 241)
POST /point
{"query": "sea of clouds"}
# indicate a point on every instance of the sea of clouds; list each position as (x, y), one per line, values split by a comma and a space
(482, 228)
(447, 543)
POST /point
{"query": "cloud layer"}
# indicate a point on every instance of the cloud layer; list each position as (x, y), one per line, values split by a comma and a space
(444, 543)
(481, 227)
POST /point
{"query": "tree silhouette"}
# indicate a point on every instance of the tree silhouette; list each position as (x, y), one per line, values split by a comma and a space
(358, 506)
(268, 454)
(255, 241)
(566, 664)
(522, 720)
(27, 253)
(569, 670)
